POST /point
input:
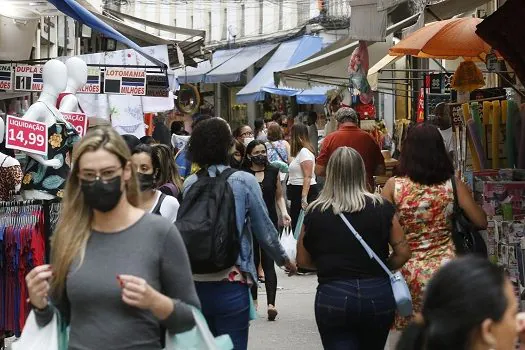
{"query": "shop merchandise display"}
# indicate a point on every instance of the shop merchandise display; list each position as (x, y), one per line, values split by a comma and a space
(25, 228)
(77, 73)
(45, 176)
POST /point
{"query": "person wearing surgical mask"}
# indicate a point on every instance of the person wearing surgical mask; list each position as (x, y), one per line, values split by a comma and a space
(244, 134)
(118, 274)
(148, 167)
(256, 163)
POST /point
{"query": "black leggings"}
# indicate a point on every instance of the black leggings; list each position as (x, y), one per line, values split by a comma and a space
(294, 193)
(270, 277)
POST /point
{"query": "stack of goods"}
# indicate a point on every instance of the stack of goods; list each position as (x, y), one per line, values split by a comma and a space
(501, 193)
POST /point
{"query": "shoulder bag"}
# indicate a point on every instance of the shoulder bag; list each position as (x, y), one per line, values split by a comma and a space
(465, 236)
(397, 281)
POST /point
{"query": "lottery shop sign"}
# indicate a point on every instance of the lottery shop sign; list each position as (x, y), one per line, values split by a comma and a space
(6, 74)
(26, 135)
(93, 84)
(125, 81)
(78, 120)
(28, 78)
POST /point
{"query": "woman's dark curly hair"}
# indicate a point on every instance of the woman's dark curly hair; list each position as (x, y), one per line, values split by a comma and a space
(424, 158)
(210, 143)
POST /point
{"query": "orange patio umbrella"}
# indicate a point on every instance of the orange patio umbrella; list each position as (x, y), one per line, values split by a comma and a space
(447, 39)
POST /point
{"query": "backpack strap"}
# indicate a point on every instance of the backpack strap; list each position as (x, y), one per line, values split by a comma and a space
(227, 173)
(168, 188)
(156, 209)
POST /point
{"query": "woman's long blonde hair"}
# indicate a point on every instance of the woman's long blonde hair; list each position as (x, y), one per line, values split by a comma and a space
(345, 186)
(74, 225)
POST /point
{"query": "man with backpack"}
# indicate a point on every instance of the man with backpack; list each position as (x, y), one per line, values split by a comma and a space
(221, 209)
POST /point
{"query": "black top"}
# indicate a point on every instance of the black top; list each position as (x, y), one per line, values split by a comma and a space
(335, 250)
(269, 190)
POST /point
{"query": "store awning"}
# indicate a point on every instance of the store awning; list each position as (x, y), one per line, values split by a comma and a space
(329, 66)
(289, 53)
(191, 75)
(82, 15)
(230, 71)
(313, 96)
(375, 71)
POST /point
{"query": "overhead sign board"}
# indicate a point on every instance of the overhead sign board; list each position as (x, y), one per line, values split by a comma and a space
(125, 81)
(93, 84)
(28, 78)
(157, 85)
(6, 76)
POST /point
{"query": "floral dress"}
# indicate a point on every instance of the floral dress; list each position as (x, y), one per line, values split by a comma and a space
(48, 179)
(425, 215)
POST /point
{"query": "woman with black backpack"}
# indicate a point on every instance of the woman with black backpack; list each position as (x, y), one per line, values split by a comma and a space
(223, 278)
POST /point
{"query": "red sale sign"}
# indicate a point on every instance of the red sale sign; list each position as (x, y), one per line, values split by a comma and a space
(78, 120)
(26, 135)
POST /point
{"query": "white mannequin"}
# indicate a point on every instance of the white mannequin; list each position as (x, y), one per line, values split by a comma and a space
(5, 160)
(55, 78)
(77, 72)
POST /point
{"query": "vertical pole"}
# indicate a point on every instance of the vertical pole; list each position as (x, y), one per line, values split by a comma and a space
(48, 37)
(65, 36)
(37, 39)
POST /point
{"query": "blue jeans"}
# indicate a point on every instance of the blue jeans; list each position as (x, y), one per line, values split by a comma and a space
(355, 314)
(226, 307)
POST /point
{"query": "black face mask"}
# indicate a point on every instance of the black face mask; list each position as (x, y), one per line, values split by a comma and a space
(102, 196)
(146, 181)
(260, 159)
(234, 163)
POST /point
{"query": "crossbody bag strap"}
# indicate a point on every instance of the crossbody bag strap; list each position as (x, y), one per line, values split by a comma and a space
(455, 194)
(369, 250)
(277, 151)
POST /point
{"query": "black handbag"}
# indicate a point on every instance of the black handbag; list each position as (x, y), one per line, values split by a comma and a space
(465, 235)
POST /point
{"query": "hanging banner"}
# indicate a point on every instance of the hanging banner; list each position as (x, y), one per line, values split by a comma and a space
(28, 78)
(92, 85)
(6, 75)
(125, 81)
(78, 120)
(421, 106)
(26, 135)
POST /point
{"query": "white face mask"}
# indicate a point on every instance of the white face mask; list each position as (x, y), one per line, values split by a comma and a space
(247, 141)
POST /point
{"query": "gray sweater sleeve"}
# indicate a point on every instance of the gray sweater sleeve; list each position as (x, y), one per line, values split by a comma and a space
(177, 283)
(43, 317)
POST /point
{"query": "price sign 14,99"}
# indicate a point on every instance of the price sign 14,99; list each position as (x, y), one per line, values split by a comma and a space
(26, 135)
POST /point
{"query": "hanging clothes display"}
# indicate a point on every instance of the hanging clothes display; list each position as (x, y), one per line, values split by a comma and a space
(25, 228)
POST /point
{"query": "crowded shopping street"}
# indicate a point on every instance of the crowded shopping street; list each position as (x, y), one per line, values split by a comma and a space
(262, 174)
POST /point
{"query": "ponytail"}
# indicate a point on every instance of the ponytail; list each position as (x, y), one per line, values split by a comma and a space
(413, 337)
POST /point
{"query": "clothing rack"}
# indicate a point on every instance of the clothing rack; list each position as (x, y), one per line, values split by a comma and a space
(25, 230)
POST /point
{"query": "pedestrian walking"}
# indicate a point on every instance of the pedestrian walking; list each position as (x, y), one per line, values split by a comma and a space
(256, 163)
(301, 187)
(168, 179)
(117, 274)
(149, 167)
(224, 293)
(469, 304)
(424, 198)
(354, 304)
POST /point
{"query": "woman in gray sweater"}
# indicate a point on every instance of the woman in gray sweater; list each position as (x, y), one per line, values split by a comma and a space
(118, 274)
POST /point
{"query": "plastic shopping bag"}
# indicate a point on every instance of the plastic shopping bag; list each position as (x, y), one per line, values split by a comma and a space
(38, 338)
(198, 338)
(299, 225)
(289, 243)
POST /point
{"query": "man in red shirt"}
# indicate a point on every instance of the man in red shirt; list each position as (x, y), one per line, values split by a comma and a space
(350, 135)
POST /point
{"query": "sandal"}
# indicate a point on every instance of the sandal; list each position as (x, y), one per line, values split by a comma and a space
(272, 313)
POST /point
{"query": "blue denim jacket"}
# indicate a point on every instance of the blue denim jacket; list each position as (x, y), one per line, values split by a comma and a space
(250, 210)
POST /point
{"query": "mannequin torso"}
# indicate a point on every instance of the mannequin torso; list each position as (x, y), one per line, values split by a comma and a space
(45, 175)
(77, 77)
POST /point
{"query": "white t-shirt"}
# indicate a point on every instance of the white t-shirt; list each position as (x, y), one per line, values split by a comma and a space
(168, 208)
(295, 172)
